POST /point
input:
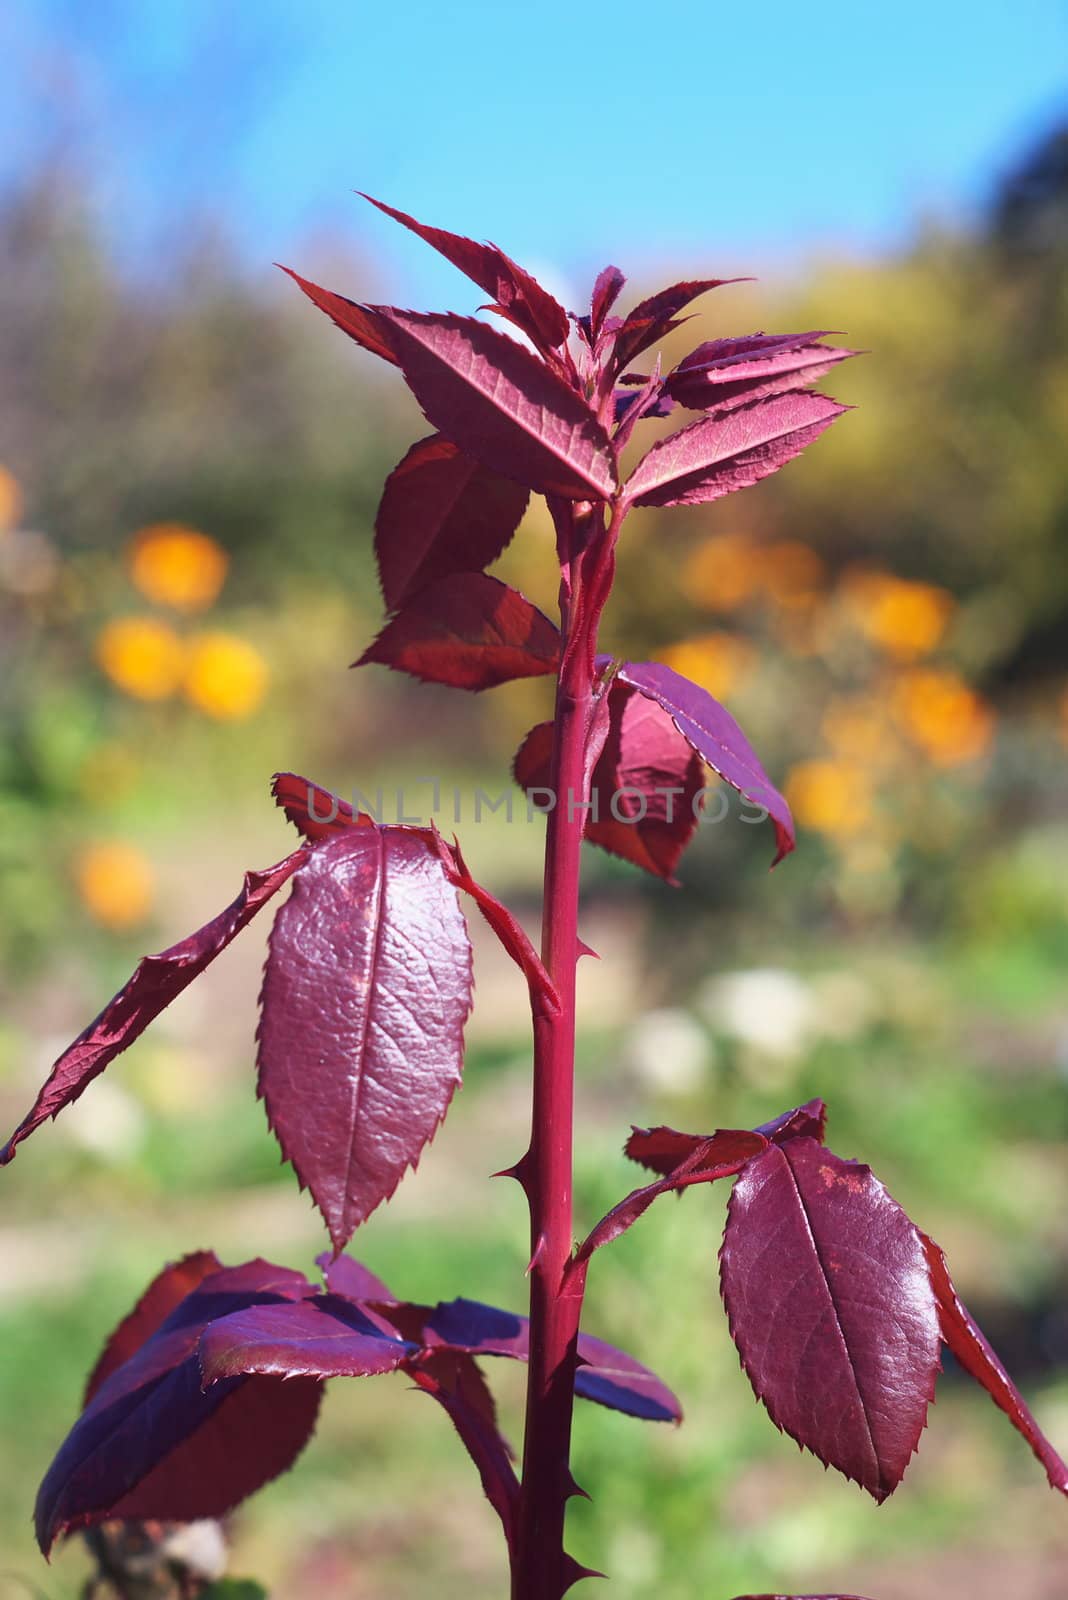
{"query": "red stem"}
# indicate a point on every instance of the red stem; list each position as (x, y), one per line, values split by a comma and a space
(541, 1570)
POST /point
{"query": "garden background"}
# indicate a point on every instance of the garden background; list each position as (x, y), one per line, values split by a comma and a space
(190, 461)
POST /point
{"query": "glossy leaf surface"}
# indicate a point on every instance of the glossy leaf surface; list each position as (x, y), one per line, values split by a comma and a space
(529, 305)
(152, 1442)
(441, 512)
(975, 1354)
(469, 631)
(645, 786)
(156, 982)
(501, 405)
(315, 812)
(712, 732)
(731, 450)
(325, 1337)
(830, 1303)
(728, 372)
(366, 991)
(166, 1291)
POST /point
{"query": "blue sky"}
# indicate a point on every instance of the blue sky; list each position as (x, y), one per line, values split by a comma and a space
(709, 135)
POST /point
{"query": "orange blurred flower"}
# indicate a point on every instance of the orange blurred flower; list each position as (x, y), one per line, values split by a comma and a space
(10, 500)
(226, 677)
(177, 566)
(832, 797)
(714, 660)
(858, 729)
(144, 657)
(723, 573)
(116, 884)
(941, 714)
(792, 572)
(907, 619)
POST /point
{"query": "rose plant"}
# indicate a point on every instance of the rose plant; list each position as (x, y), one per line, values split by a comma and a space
(839, 1304)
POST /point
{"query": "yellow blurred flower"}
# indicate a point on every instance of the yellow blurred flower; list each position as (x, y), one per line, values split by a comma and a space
(905, 618)
(116, 883)
(723, 573)
(177, 566)
(226, 677)
(832, 797)
(10, 500)
(143, 656)
(714, 660)
(941, 714)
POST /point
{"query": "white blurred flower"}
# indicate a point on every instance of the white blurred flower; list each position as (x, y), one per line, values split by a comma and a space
(668, 1050)
(773, 1011)
(108, 1121)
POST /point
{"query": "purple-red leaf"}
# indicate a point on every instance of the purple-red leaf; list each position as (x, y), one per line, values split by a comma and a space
(645, 787)
(345, 1275)
(501, 405)
(830, 1303)
(663, 1149)
(314, 811)
(325, 1337)
(164, 1293)
(366, 991)
(456, 1383)
(441, 512)
(726, 372)
(652, 319)
(804, 1122)
(156, 982)
(469, 631)
(153, 1443)
(529, 306)
(730, 450)
(606, 292)
(359, 322)
(700, 1160)
(971, 1349)
(605, 1375)
(713, 733)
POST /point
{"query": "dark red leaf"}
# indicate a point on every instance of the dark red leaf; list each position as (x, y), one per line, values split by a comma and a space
(366, 991)
(543, 996)
(156, 982)
(314, 812)
(829, 1300)
(455, 1383)
(606, 292)
(345, 1275)
(713, 733)
(652, 319)
(502, 405)
(325, 1337)
(359, 322)
(163, 1294)
(441, 512)
(726, 372)
(806, 1122)
(719, 1155)
(469, 631)
(645, 787)
(531, 307)
(730, 450)
(153, 1443)
(970, 1347)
